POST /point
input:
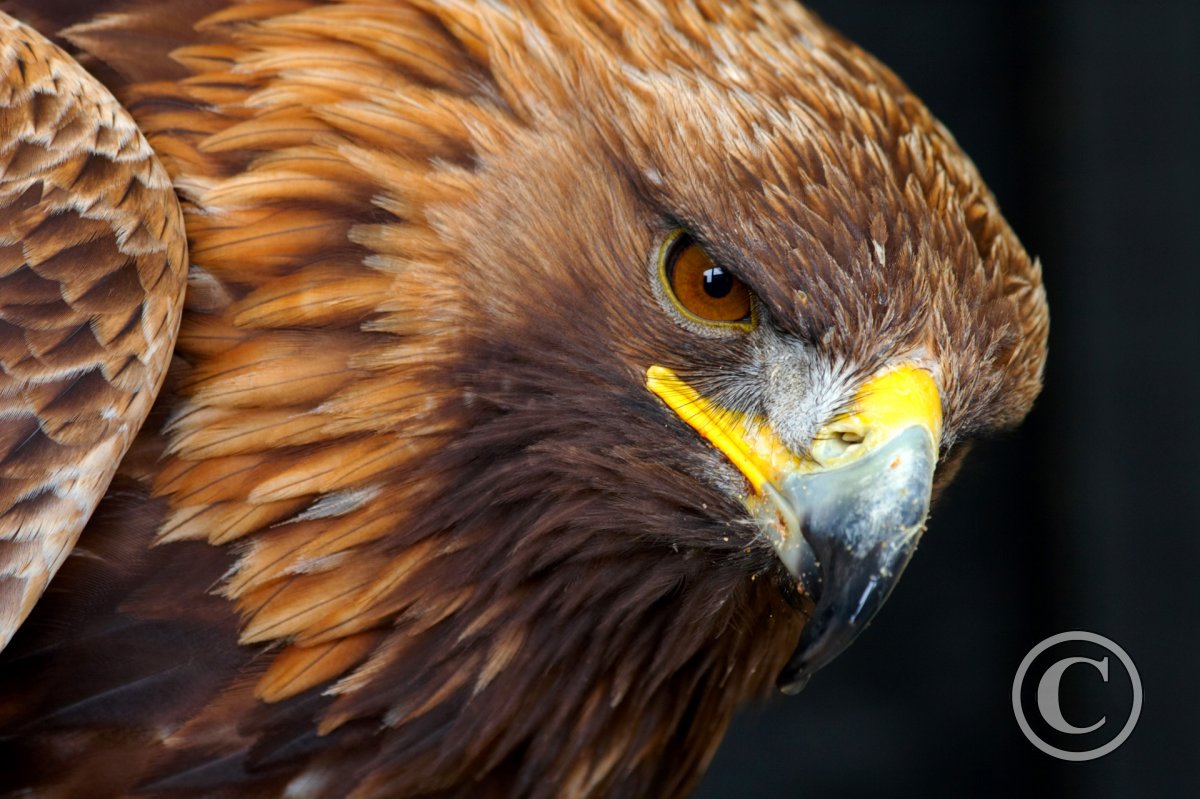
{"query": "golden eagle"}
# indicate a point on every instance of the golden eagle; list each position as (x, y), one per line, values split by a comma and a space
(552, 376)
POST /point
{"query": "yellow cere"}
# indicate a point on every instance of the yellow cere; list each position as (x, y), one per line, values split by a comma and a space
(883, 407)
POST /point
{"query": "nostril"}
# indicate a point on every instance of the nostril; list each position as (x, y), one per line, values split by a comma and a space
(836, 444)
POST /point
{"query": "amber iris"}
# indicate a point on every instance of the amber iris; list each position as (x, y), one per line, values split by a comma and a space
(702, 288)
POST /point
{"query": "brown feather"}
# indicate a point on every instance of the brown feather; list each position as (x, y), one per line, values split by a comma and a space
(90, 302)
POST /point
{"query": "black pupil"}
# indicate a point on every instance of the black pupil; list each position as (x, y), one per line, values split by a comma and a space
(717, 282)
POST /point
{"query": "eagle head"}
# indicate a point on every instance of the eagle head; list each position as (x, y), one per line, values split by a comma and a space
(718, 304)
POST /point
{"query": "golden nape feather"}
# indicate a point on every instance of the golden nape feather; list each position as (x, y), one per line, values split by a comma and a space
(531, 356)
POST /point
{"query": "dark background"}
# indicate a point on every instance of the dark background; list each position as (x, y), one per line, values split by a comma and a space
(1084, 117)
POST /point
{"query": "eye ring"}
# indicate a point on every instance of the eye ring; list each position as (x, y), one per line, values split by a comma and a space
(702, 290)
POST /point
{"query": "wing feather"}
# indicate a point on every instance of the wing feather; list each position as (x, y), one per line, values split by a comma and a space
(91, 288)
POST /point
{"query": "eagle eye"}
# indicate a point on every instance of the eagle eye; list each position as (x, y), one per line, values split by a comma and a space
(701, 289)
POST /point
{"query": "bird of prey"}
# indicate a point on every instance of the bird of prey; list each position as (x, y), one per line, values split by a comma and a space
(464, 398)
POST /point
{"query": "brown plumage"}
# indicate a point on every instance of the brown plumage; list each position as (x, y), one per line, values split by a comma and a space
(406, 520)
(92, 266)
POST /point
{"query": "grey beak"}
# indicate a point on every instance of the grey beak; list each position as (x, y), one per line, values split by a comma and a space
(860, 525)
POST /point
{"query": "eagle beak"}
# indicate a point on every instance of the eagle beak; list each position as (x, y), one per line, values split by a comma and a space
(846, 517)
(862, 522)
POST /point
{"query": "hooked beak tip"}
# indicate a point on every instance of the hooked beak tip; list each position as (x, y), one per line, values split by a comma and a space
(861, 524)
